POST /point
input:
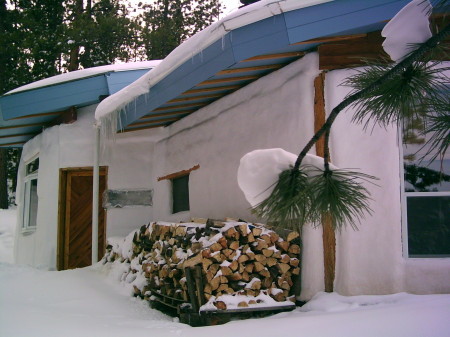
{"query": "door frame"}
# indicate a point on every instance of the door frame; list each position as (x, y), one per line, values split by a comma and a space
(63, 174)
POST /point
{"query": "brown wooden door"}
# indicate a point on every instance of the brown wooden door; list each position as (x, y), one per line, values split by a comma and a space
(75, 238)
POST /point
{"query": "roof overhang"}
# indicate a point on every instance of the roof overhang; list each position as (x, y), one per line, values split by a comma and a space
(26, 111)
(244, 54)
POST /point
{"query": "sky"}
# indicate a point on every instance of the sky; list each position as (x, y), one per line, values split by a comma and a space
(230, 5)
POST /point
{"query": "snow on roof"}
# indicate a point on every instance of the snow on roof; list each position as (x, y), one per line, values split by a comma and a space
(84, 73)
(244, 16)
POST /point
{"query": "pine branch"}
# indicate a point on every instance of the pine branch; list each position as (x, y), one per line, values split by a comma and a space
(415, 56)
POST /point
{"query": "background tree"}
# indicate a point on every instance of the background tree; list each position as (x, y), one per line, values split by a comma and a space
(97, 33)
(167, 23)
(43, 38)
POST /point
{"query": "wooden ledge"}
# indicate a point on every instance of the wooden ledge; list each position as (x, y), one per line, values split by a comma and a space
(179, 173)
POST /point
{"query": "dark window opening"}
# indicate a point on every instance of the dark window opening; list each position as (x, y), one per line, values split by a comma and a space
(428, 226)
(180, 194)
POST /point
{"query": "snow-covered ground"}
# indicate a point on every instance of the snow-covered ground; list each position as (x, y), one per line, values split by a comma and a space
(91, 302)
(7, 228)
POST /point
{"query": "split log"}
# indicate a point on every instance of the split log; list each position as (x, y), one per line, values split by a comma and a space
(292, 236)
(244, 259)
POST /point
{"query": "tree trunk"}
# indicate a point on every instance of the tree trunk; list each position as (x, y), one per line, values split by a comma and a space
(74, 61)
(3, 179)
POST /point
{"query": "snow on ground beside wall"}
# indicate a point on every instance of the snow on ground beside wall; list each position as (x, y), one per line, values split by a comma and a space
(92, 302)
(7, 229)
(89, 302)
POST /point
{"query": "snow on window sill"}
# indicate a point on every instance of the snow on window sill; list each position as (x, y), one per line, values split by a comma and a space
(28, 231)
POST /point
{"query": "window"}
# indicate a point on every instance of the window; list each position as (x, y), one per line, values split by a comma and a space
(180, 194)
(180, 188)
(426, 199)
(30, 203)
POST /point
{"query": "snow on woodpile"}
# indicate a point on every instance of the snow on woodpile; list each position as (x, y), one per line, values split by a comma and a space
(242, 264)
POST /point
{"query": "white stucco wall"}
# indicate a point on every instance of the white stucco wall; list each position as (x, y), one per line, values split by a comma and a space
(275, 111)
(370, 260)
(72, 145)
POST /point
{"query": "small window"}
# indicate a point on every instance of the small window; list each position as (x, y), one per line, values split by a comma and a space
(428, 226)
(30, 202)
(180, 194)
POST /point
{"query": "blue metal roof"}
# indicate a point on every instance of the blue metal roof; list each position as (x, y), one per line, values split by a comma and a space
(240, 57)
(250, 52)
(26, 113)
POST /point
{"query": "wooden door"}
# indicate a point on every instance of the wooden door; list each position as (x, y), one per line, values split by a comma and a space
(75, 233)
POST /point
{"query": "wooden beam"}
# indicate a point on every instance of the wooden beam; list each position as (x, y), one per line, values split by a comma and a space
(69, 116)
(228, 79)
(331, 39)
(275, 56)
(248, 69)
(21, 126)
(143, 128)
(351, 53)
(194, 98)
(319, 110)
(159, 121)
(328, 235)
(329, 252)
(167, 114)
(223, 88)
(40, 115)
(10, 144)
(19, 135)
(179, 173)
(181, 106)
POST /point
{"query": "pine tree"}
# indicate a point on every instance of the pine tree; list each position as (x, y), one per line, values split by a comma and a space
(167, 23)
(98, 33)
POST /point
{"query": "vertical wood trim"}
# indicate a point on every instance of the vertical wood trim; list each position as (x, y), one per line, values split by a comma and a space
(61, 219)
(319, 110)
(328, 236)
(67, 219)
(329, 252)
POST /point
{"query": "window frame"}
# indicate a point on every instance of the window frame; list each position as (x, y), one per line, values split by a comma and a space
(176, 175)
(27, 197)
(404, 206)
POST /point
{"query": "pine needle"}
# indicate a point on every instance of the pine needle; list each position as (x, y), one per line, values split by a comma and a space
(341, 194)
(287, 205)
(438, 129)
(400, 100)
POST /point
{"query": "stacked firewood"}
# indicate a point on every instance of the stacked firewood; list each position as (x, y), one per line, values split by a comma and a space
(236, 258)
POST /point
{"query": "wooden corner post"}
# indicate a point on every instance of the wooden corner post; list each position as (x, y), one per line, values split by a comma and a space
(328, 237)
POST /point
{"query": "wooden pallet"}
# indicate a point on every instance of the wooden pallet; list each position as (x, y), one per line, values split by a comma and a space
(190, 313)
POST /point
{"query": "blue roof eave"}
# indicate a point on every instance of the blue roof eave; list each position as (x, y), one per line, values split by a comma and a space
(267, 36)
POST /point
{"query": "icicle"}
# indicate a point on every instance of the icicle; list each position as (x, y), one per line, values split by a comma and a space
(109, 125)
